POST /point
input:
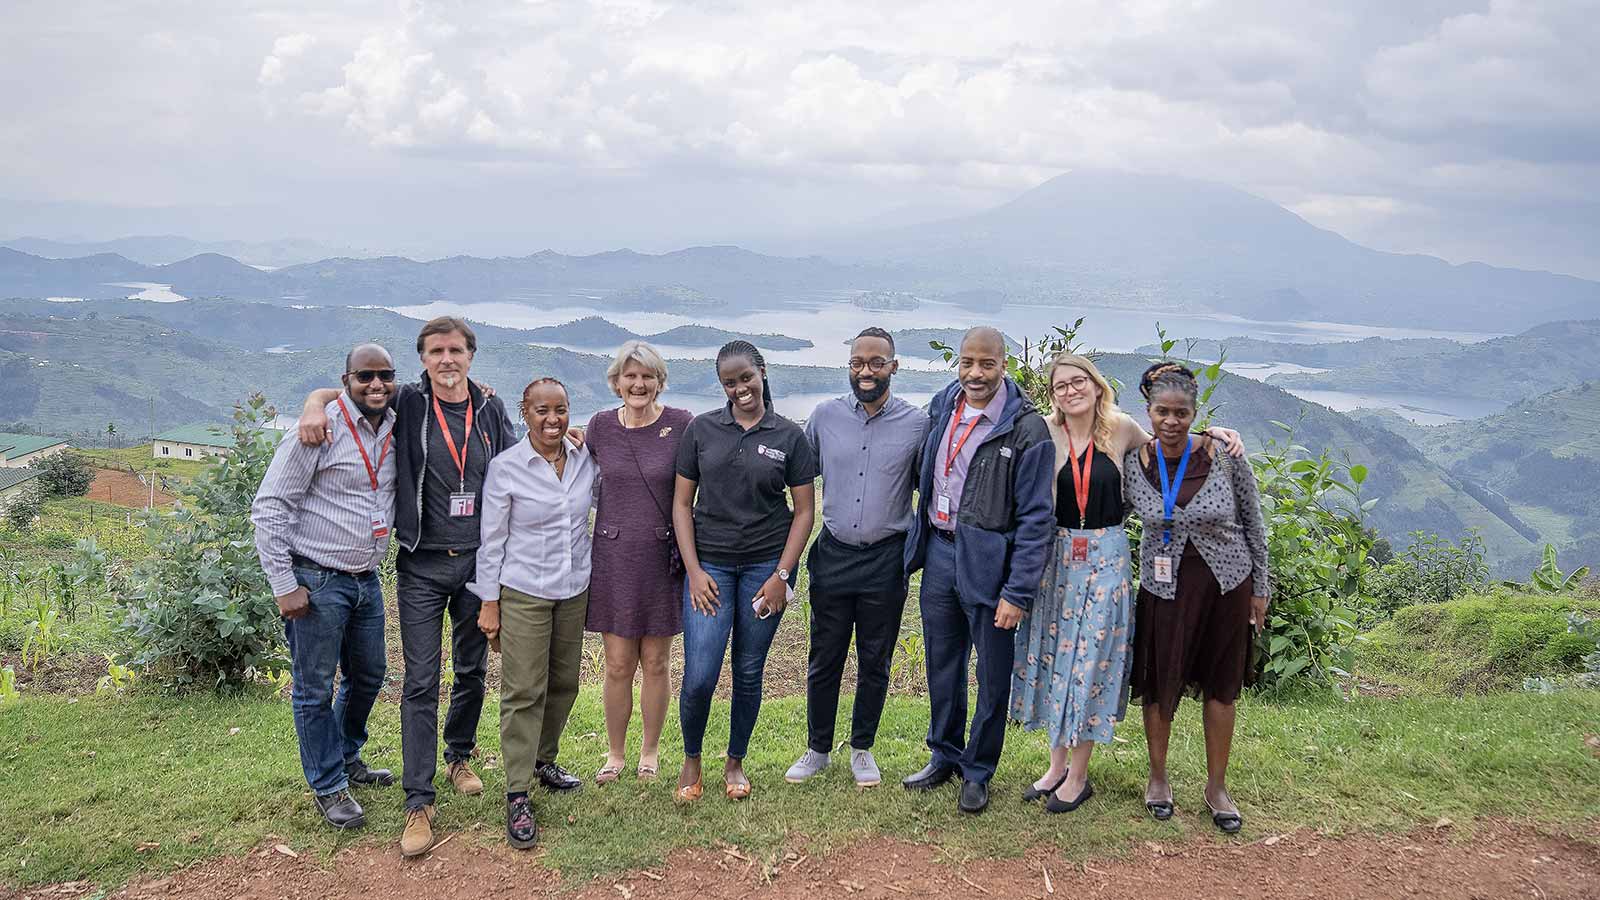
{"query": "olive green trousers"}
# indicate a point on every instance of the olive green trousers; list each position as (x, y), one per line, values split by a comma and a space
(541, 651)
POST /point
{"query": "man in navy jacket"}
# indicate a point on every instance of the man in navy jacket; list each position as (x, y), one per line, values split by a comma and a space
(982, 535)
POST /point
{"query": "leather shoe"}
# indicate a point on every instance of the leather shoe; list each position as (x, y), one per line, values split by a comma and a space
(931, 776)
(341, 810)
(555, 778)
(974, 797)
(359, 773)
(1053, 805)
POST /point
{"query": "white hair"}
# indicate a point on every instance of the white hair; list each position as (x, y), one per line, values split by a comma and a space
(641, 353)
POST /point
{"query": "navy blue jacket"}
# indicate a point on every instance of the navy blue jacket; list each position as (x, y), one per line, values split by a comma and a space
(1006, 522)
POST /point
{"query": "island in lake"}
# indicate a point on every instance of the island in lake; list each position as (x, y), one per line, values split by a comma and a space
(595, 331)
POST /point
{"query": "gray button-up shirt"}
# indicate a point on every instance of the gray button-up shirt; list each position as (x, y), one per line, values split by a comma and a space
(318, 502)
(868, 466)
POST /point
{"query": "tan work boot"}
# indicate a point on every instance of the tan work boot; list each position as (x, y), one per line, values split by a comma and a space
(417, 838)
(465, 780)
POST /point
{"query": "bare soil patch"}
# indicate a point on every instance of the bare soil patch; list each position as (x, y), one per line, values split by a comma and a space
(123, 489)
(1498, 860)
(69, 673)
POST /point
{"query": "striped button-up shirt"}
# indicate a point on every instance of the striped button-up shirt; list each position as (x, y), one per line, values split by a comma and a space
(318, 502)
(535, 532)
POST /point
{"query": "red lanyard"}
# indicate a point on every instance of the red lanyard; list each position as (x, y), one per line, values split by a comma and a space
(450, 442)
(952, 446)
(372, 474)
(1080, 479)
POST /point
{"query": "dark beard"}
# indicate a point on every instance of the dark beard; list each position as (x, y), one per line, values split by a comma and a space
(873, 395)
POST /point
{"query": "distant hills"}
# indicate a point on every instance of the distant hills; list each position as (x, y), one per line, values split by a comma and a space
(598, 332)
(1087, 238)
(1336, 355)
(156, 250)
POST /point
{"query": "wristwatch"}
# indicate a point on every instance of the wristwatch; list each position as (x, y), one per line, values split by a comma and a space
(783, 575)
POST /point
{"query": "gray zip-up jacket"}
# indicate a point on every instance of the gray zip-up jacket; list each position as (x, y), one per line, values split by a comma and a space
(1223, 519)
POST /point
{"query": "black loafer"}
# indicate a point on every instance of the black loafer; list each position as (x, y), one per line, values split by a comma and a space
(1226, 822)
(340, 810)
(974, 797)
(555, 778)
(931, 776)
(522, 829)
(1031, 793)
(1052, 805)
(1160, 810)
(359, 773)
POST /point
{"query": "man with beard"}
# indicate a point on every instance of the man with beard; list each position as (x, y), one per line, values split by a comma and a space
(447, 429)
(867, 445)
(322, 519)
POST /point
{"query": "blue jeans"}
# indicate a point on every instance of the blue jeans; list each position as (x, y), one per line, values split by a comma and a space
(343, 630)
(705, 640)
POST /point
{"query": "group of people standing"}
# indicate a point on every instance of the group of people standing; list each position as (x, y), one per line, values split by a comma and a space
(1015, 519)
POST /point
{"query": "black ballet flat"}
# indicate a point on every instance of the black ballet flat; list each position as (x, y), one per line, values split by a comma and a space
(1053, 805)
(1226, 822)
(1032, 794)
(1160, 810)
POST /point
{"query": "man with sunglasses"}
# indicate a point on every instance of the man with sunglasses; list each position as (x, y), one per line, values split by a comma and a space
(446, 431)
(867, 444)
(322, 523)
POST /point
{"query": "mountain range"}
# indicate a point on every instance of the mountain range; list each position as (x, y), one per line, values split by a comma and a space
(1086, 238)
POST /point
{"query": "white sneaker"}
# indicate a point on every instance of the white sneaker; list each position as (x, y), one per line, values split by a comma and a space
(809, 764)
(864, 768)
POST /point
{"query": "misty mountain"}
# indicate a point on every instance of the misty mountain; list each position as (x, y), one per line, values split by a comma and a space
(596, 333)
(1334, 355)
(156, 250)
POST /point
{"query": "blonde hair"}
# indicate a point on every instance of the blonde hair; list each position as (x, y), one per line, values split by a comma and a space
(641, 353)
(1105, 410)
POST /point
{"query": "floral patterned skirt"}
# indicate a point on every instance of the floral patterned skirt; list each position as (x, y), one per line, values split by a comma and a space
(1074, 646)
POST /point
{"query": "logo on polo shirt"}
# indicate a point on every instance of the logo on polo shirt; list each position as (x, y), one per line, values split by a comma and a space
(772, 453)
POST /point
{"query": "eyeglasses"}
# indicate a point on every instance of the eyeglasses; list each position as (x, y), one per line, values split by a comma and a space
(1080, 384)
(365, 376)
(876, 364)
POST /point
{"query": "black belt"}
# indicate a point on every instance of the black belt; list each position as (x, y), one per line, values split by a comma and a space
(949, 536)
(304, 563)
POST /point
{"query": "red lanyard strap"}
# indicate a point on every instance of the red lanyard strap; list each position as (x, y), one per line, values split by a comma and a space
(460, 456)
(372, 473)
(952, 446)
(1080, 479)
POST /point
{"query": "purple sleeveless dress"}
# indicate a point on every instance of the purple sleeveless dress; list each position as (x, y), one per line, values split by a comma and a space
(631, 591)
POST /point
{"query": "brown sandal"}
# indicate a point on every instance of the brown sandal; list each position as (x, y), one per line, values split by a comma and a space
(648, 772)
(689, 793)
(607, 774)
(737, 791)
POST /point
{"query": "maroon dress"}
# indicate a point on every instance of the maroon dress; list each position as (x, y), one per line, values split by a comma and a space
(632, 592)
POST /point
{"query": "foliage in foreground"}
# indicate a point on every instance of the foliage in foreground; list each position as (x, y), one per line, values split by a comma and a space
(1430, 570)
(199, 611)
(1481, 643)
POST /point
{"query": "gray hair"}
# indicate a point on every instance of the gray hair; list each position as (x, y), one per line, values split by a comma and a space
(641, 353)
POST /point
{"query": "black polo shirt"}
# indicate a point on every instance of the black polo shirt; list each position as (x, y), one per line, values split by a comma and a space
(741, 515)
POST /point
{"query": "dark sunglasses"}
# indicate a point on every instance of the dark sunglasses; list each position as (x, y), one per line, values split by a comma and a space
(365, 376)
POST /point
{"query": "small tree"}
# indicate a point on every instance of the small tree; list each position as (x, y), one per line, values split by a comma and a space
(64, 475)
(24, 508)
(199, 610)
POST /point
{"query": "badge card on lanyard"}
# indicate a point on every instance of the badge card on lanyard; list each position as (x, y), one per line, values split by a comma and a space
(1169, 505)
(380, 522)
(1080, 491)
(952, 449)
(463, 503)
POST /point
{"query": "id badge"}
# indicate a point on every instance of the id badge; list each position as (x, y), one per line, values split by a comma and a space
(463, 504)
(941, 508)
(380, 528)
(1080, 550)
(1164, 569)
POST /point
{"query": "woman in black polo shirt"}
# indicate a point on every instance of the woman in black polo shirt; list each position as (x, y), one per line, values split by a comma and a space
(740, 543)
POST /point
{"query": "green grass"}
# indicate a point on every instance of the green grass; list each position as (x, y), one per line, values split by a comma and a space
(89, 782)
(1478, 643)
(142, 459)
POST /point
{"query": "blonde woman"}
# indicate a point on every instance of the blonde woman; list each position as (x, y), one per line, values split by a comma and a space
(1074, 644)
(636, 592)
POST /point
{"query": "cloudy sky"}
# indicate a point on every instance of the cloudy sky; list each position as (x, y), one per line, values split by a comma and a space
(1467, 130)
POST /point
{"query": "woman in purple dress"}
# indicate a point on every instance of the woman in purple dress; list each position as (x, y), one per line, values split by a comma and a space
(636, 591)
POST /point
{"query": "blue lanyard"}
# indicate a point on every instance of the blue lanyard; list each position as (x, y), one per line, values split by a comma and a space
(1169, 489)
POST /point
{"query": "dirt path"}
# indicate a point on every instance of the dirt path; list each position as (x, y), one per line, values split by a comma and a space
(1498, 861)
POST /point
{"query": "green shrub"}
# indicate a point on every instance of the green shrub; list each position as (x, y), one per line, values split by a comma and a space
(22, 509)
(1430, 570)
(64, 475)
(1480, 643)
(199, 611)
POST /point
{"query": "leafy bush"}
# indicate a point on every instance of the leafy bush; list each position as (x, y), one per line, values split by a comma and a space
(22, 509)
(199, 611)
(1430, 570)
(1548, 578)
(64, 475)
(1481, 643)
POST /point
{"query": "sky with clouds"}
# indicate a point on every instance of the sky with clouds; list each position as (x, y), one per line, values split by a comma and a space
(1466, 130)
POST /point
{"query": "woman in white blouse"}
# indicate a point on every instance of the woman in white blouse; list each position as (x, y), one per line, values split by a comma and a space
(533, 579)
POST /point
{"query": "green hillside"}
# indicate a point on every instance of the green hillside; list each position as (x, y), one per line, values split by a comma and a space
(1336, 355)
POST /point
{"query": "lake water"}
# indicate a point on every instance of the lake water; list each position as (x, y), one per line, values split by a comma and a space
(829, 325)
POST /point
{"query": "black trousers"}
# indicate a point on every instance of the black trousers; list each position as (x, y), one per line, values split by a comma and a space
(860, 590)
(431, 584)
